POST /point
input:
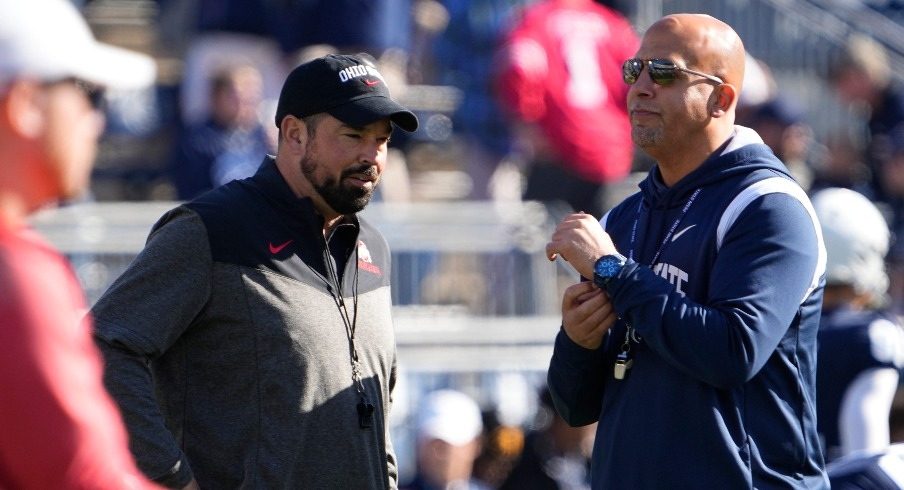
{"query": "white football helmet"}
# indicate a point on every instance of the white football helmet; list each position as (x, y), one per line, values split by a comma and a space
(856, 238)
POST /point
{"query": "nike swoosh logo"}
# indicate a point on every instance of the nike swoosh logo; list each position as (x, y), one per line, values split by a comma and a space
(371, 83)
(277, 248)
(676, 235)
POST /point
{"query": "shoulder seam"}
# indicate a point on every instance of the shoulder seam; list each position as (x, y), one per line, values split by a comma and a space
(773, 185)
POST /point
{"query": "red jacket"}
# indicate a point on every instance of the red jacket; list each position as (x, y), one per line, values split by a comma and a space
(58, 427)
(560, 68)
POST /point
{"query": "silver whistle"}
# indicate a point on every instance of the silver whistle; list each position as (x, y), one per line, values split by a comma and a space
(622, 365)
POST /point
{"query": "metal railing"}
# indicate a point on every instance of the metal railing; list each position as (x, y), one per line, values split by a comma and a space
(467, 276)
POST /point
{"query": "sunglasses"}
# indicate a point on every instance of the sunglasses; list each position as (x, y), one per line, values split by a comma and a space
(663, 72)
(93, 93)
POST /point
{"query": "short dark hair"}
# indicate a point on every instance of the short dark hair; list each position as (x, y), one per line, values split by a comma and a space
(311, 123)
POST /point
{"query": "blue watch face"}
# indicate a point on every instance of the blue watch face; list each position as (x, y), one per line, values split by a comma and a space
(608, 266)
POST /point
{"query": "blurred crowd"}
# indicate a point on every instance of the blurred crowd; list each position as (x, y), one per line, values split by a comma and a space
(513, 109)
(460, 443)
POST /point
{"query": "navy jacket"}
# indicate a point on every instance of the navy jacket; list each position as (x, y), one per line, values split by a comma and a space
(721, 393)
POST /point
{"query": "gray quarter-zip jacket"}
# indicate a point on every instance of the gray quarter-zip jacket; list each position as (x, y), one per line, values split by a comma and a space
(227, 351)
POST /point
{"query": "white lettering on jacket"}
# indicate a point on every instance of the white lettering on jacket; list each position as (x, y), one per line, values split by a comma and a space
(674, 275)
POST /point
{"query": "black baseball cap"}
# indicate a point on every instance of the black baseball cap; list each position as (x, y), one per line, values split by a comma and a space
(348, 88)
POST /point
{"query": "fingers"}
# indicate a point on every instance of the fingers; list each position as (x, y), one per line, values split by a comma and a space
(587, 314)
(593, 309)
(561, 237)
(580, 240)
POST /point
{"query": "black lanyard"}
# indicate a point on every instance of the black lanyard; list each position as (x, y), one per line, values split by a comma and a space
(365, 408)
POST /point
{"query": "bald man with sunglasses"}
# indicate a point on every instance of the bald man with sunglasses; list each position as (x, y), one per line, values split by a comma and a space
(693, 341)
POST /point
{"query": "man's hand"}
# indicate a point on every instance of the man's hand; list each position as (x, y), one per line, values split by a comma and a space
(580, 240)
(587, 314)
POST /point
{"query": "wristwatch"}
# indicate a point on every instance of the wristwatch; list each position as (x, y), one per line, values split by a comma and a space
(607, 267)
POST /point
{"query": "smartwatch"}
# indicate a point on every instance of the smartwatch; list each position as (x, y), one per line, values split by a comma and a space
(607, 267)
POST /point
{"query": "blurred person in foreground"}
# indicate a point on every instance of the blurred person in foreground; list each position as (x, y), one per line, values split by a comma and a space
(694, 344)
(250, 343)
(58, 427)
(448, 429)
(861, 347)
(559, 80)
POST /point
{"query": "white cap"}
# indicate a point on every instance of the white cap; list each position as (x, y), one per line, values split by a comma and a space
(449, 416)
(49, 40)
(856, 238)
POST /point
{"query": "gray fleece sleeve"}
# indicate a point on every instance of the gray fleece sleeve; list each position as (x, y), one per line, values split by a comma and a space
(141, 315)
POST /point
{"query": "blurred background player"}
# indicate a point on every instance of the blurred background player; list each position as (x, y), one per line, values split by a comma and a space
(861, 347)
(556, 456)
(560, 81)
(58, 427)
(449, 427)
(869, 470)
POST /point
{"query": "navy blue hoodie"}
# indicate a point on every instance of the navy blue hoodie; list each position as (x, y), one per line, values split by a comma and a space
(721, 392)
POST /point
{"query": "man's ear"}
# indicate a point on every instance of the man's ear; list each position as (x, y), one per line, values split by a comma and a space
(23, 108)
(294, 133)
(726, 95)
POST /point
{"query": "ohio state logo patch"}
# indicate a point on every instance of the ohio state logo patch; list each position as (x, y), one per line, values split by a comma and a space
(365, 262)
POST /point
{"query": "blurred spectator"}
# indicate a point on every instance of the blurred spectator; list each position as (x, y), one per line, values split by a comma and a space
(556, 456)
(861, 347)
(222, 32)
(463, 57)
(449, 428)
(560, 79)
(862, 77)
(229, 143)
(269, 35)
(891, 173)
(759, 88)
(429, 19)
(501, 448)
(373, 26)
(781, 124)
(779, 120)
(842, 163)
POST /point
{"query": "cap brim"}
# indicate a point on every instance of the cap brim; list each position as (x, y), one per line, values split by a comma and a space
(451, 432)
(367, 110)
(50, 40)
(116, 68)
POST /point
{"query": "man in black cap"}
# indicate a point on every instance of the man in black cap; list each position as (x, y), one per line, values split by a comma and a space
(250, 344)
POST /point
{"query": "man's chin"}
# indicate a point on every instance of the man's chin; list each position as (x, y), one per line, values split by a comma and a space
(645, 139)
(356, 203)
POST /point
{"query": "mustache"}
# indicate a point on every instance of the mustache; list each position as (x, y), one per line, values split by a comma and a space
(642, 107)
(369, 171)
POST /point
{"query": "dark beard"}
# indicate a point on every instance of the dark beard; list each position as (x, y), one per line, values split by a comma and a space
(343, 200)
